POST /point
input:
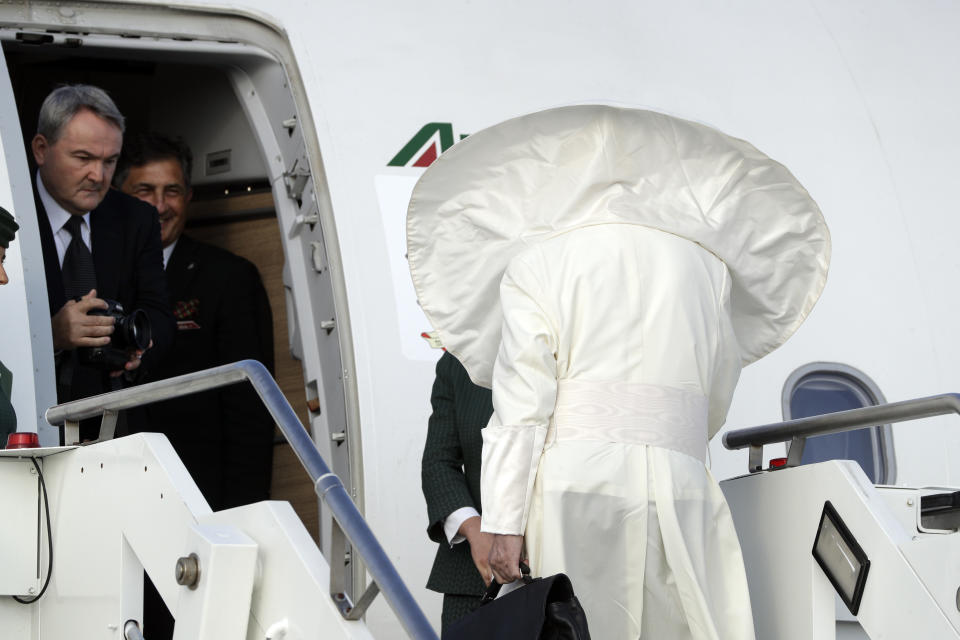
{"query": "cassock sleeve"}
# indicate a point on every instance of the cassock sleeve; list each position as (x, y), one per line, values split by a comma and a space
(726, 363)
(524, 394)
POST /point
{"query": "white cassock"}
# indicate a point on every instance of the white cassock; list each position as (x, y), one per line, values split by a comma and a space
(608, 272)
(617, 352)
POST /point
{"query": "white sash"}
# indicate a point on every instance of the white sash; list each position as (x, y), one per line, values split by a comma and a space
(631, 413)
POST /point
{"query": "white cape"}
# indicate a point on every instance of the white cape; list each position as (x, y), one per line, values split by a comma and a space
(517, 183)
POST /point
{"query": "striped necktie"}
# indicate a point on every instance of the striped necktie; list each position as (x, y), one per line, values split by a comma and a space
(79, 276)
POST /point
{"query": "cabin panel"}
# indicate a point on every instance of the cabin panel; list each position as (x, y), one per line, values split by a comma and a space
(193, 92)
(26, 345)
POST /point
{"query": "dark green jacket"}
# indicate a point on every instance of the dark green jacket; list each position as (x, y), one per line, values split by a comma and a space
(8, 419)
(450, 472)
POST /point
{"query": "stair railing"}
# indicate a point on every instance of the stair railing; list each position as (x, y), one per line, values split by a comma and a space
(797, 431)
(349, 524)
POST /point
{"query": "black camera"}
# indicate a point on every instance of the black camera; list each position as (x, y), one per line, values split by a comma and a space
(130, 331)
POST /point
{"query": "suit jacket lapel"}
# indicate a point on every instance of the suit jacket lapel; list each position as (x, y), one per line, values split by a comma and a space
(51, 261)
(107, 251)
(181, 269)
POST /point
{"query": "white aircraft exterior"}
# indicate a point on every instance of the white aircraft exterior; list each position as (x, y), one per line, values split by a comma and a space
(347, 102)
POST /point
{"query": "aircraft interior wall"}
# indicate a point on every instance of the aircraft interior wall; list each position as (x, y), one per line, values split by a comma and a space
(233, 205)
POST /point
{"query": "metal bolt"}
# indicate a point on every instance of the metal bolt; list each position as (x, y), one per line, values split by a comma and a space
(909, 502)
(188, 571)
(33, 471)
(31, 590)
(131, 629)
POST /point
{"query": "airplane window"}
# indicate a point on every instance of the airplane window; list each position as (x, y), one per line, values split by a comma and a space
(820, 388)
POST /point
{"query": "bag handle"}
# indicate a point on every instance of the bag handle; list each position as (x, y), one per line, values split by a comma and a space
(494, 589)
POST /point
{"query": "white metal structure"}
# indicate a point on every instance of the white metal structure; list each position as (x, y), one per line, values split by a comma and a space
(261, 574)
(127, 505)
(338, 102)
(889, 545)
(909, 592)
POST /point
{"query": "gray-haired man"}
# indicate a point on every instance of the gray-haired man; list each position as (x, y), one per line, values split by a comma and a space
(98, 243)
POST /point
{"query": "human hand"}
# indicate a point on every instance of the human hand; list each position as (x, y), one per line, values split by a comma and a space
(133, 363)
(73, 328)
(505, 558)
(480, 544)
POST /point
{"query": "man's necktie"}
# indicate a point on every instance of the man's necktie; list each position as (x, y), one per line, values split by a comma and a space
(79, 276)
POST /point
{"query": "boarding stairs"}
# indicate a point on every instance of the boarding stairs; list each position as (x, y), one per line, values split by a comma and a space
(895, 554)
(119, 507)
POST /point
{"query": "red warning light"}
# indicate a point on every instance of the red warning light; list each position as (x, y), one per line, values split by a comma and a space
(23, 440)
(777, 463)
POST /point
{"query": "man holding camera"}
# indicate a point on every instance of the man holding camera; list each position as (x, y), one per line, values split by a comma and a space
(99, 245)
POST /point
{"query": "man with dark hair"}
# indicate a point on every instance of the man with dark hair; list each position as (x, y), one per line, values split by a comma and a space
(98, 244)
(163, 167)
(224, 436)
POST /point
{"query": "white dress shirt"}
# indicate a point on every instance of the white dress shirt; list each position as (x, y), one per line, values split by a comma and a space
(167, 251)
(58, 217)
(452, 523)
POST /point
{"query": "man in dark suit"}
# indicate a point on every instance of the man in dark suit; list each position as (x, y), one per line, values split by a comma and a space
(97, 244)
(450, 476)
(224, 436)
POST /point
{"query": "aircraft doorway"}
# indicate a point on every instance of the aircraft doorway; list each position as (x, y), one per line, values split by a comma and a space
(189, 91)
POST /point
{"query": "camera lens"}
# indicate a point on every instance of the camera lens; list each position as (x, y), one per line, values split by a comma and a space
(135, 329)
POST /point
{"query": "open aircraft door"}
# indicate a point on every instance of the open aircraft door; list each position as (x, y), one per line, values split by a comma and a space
(254, 54)
(26, 345)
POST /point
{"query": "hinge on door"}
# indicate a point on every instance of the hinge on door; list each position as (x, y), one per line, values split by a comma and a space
(310, 218)
(296, 180)
(319, 255)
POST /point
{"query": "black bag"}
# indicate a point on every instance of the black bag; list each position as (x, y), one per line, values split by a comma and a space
(542, 609)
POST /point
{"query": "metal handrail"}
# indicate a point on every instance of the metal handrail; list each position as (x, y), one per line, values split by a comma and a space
(797, 431)
(327, 485)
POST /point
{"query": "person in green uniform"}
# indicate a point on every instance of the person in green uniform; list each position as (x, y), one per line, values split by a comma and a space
(450, 475)
(8, 419)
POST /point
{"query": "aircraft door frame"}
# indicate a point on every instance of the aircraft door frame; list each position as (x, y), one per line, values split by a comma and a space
(315, 327)
(27, 345)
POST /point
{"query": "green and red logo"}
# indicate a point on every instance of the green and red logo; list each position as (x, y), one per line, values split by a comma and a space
(426, 146)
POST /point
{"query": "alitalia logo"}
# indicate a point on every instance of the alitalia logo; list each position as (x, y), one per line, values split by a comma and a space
(426, 146)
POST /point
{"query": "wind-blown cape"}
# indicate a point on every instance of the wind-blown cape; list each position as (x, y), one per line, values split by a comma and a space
(524, 180)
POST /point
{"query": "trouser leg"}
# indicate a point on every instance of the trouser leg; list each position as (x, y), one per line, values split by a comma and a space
(455, 607)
